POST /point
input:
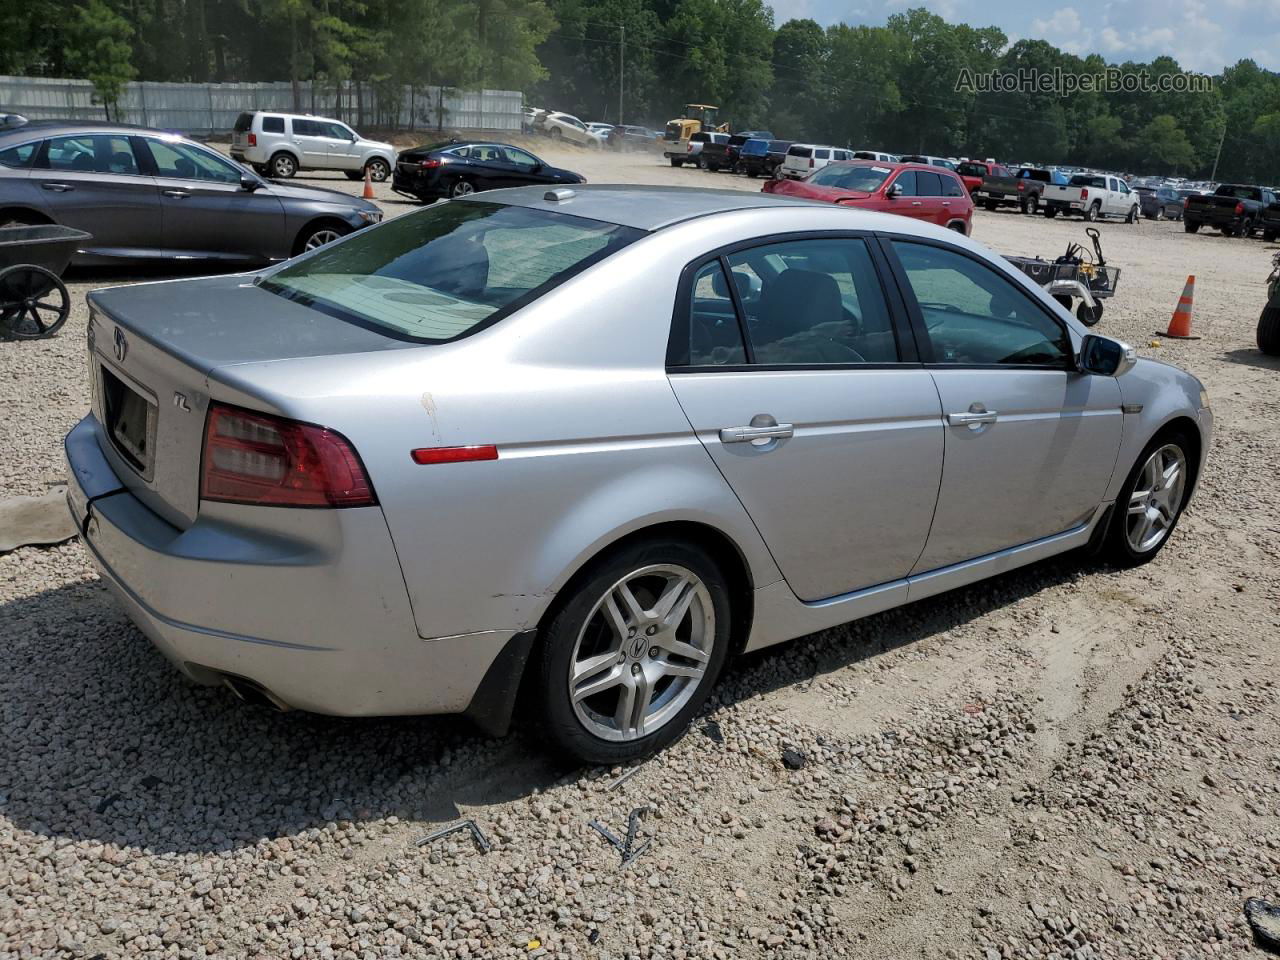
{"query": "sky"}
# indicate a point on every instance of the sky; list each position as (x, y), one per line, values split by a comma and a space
(1202, 35)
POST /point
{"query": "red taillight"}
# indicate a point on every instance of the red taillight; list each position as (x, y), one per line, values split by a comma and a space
(1239, 209)
(1021, 185)
(262, 459)
(426, 455)
(811, 163)
(430, 163)
(689, 147)
(1084, 194)
(253, 139)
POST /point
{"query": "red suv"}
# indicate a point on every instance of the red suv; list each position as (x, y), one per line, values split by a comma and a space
(972, 172)
(915, 190)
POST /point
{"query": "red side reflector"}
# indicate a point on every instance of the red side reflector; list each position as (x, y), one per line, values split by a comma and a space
(425, 455)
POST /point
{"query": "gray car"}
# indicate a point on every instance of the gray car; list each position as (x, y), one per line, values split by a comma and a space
(585, 444)
(144, 194)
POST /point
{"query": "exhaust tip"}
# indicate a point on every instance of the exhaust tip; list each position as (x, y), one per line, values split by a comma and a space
(254, 693)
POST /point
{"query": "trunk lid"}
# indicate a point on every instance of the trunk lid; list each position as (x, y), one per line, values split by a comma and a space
(151, 349)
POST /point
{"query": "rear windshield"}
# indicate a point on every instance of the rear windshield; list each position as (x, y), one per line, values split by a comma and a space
(1238, 192)
(449, 270)
(244, 122)
(866, 179)
(1026, 173)
(800, 152)
(972, 169)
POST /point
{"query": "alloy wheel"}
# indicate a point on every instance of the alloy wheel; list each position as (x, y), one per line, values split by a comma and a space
(284, 167)
(462, 188)
(642, 652)
(1156, 498)
(320, 237)
(378, 170)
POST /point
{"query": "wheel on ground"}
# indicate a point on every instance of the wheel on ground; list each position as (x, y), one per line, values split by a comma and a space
(354, 174)
(1246, 229)
(1189, 227)
(990, 205)
(1091, 214)
(1269, 331)
(713, 167)
(1158, 215)
(283, 166)
(33, 302)
(1269, 236)
(1050, 212)
(320, 234)
(461, 188)
(1150, 501)
(677, 163)
(752, 173)
(378, 169)
(1088, 315)
(556, 134)
(1133, 215)
(1031, 205)
(631, 653)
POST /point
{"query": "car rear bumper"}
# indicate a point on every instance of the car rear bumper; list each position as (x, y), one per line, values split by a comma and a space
(306, 617)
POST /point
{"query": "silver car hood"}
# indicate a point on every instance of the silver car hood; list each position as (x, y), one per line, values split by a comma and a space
(212, 321)
(293, 191)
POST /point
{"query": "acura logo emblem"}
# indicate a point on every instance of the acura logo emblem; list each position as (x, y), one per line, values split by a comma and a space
(122, 345)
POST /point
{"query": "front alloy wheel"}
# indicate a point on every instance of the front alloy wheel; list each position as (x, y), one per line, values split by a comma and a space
(1151, 501)
(631, 655)
(378, 170)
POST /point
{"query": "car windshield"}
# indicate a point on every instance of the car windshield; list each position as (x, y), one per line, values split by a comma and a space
(448, 270)
(866, 179)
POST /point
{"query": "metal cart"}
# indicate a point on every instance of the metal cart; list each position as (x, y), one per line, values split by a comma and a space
(1076, 275)
(33, 300)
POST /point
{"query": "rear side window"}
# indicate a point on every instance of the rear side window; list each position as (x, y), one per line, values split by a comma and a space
(91, 154)
(715, 339)
(19, 157)
(977, 317)
(818, 302)
(449, 270)
(243, 122)
(273, 124)
(307, 128)
(822, 154)
(928, 184)
(951, 187)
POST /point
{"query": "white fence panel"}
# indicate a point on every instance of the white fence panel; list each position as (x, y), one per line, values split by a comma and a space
(212, 108)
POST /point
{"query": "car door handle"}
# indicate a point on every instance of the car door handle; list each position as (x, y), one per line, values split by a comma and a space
(176, 194)
(775, 431)
(972, 418)
(915, 203)
(946, 203)
(57, 187)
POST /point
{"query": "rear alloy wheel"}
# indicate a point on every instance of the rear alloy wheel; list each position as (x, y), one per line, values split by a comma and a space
(1151, 501)
(1031, 205)
(630, 657)
(1091, 214)
(1269, 331)
(1247, 229)
(283, 166)
(378, 169)
(318, 236)
(462, 188)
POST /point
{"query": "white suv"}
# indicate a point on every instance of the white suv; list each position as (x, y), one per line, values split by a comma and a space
(281, 144)
(804, 158)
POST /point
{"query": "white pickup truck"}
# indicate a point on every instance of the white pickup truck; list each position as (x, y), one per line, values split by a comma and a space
(1091, 196)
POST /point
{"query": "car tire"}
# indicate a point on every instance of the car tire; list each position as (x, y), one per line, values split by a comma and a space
(615, 651)
(677, 163)
(713, 168)
(318, 234)
(1050, 212)
(1092, 212)
(990, 205)
(283, 166)
(1125, 545)
(1031, 205)
(1247, 229)
(1269, 236)
(556, 134)
(1269, 331)
(1133, 215)
(1190, 227)
(461, 188)
(1088, 315)
(378, 170)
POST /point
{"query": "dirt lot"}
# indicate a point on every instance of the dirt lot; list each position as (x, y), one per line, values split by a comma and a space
(1069, 761)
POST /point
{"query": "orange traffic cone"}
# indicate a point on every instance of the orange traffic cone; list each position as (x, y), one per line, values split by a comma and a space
(1180, 322)
(368, 185)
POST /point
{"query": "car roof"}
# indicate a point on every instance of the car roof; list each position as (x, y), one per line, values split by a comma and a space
(41, 129)
(637, 205)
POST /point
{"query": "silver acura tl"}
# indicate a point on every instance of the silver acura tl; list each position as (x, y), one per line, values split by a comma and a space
(572, 449)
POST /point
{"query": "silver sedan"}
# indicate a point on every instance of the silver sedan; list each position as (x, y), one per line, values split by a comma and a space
(576, 448)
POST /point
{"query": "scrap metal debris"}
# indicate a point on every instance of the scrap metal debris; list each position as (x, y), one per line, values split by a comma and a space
(793, 759)
(625, 777)
(477, 835)
(625, 847)
(1264, 918)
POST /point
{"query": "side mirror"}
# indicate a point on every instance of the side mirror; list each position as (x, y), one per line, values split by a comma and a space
(250, 183)
(895, 191)
(1105, 357)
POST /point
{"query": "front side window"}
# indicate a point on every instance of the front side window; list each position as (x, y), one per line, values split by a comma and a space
(814, 302)
(520, 158)
(338, 131)
(91, 154)
(182, 161)
(449, 270)
(906, 183)
(975, 316)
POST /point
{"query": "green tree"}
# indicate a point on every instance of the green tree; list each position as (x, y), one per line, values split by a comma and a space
(1163, 147)
(97, 47)
(799, 96)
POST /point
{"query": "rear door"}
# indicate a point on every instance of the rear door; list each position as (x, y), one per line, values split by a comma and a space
(828, 432)
(928, 202)
(95, 183)
(1030, 443)
(204, 209)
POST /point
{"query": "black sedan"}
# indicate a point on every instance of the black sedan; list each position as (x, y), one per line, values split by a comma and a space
(455, 169)
(143, 194)
(1160, 202)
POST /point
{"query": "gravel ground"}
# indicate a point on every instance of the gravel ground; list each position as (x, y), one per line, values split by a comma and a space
(1068, 761)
